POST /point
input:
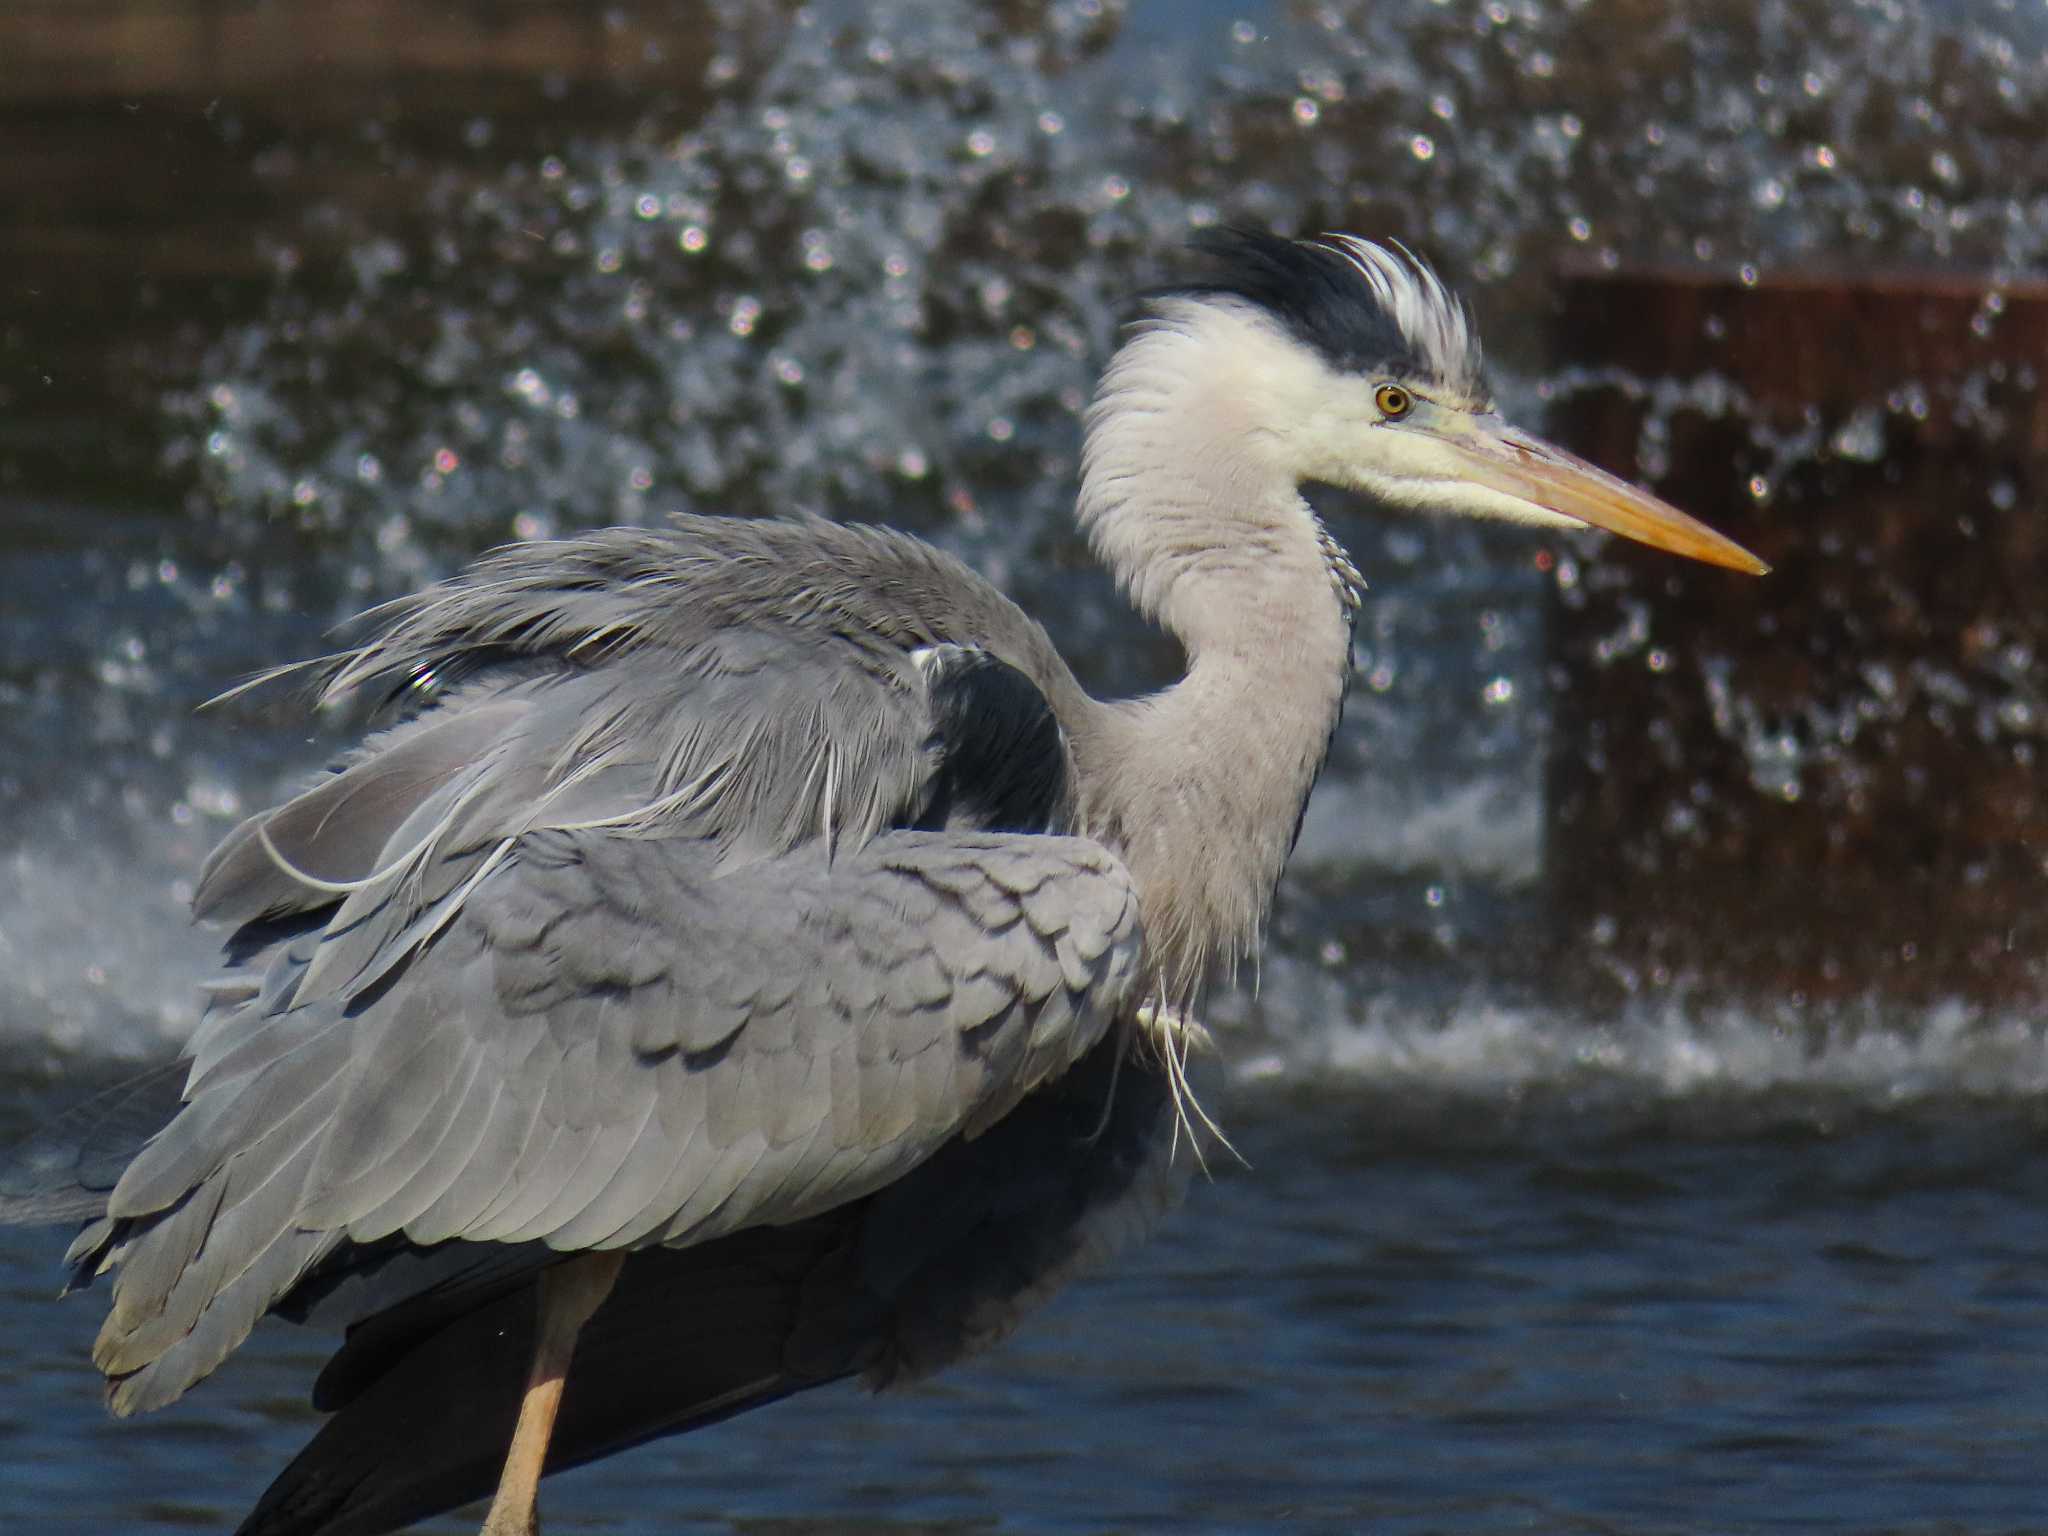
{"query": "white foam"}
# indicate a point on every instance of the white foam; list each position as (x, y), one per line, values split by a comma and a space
(97, 953)
(1486, 827)
(1672, 1047)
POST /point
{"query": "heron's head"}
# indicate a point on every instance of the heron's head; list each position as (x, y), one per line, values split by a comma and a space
(1340, 361)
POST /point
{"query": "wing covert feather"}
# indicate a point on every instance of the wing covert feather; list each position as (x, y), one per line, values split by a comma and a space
(716, 884)
(686, 1049)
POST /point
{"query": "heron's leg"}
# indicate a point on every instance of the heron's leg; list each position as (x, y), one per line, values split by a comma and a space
(569, 1293)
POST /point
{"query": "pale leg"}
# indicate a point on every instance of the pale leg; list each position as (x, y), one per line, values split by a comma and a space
(569, 1293)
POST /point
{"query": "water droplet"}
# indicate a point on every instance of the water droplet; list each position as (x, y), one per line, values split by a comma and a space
(1306, 111)
(1860, 439)
(1422, 147)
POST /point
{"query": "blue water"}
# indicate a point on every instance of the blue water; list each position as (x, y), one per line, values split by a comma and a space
(1404, 1318)
(1507, 1256)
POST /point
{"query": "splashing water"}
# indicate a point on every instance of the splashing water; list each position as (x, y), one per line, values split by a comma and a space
(866, 259)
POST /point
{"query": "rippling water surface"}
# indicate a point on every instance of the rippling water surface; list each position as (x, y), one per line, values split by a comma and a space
(1406, 1316)
(1529, 1239)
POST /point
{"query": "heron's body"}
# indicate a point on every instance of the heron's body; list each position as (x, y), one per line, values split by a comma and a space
(767, 904)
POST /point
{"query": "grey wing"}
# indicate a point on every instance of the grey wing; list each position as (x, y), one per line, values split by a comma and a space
(934, 1266)
(752, 742)
(613, 1045)
(653, 928)
(714, 682)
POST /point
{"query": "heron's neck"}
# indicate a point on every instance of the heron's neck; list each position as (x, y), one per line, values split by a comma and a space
(1201, 786)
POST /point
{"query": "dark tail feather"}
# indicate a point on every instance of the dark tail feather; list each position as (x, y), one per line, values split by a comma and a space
(65, 1171)
(686, 1338)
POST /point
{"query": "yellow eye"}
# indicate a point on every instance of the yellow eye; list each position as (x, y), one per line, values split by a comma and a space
(1394, 401)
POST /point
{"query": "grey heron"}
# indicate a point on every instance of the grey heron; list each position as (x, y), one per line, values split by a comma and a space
(750, 959)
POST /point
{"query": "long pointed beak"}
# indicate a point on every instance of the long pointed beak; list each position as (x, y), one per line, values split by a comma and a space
(1508, 460)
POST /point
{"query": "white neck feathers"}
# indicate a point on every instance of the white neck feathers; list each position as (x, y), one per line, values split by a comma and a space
(1192, 500)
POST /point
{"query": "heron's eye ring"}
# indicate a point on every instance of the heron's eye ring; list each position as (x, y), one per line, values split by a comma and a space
(1394, 401)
